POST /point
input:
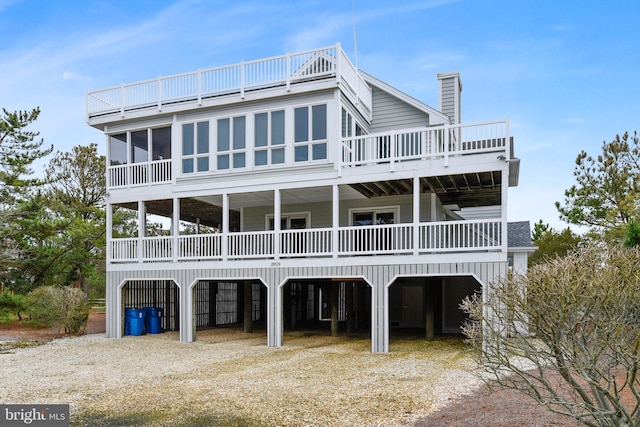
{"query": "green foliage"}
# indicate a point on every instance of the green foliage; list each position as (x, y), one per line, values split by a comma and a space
(632, 236)
(63, 308)
(567, 334)
(605, 197)
(552, 243)
(10, 306)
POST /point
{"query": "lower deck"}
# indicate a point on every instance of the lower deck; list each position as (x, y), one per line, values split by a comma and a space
(378, 301)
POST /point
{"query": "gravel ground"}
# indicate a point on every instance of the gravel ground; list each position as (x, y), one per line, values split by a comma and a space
(231, 378)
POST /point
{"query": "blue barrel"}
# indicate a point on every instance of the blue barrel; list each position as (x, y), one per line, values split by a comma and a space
(133, 321)
(152, 320)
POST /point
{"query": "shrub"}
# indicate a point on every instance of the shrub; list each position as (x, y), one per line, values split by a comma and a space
(63, 308)
(10, 306)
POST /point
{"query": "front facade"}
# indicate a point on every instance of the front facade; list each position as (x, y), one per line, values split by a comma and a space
(295, 192)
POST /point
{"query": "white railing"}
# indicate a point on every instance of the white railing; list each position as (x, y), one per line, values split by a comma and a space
(424, 143)
(238, 78)
(376, 239)
(457, 235)
(306, 243)
(200, 247)
(258, 244)
(392, 239)
(156, 172)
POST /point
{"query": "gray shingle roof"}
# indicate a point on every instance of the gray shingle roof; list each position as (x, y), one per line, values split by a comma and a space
(519, 234)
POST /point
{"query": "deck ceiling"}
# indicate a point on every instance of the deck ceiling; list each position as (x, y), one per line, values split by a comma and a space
(465, 190)
(191, 210)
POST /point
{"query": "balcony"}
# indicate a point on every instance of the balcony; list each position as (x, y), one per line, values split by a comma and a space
(390, 148)
(395, 239)
(238, 79)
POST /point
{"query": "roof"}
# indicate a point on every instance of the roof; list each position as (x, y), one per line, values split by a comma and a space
(519, 235)
(406, 98)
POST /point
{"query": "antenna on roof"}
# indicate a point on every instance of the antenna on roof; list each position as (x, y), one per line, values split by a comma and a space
(355, 39)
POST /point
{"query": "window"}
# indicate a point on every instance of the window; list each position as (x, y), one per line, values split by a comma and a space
(310, 133)
(195, 147)
(139, 146)
(136, 146)
(294, 221)
(374, 216)
(161, 143)
(269, 138)
(231, 143)
(118, 149)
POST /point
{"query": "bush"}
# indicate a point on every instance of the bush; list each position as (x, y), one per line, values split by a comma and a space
(567, 334)
(10, 306)
(63, 308)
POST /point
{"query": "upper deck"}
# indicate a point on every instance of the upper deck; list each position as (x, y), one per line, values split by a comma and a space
(191, 90)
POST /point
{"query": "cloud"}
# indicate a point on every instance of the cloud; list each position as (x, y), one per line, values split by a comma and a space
(67, 75)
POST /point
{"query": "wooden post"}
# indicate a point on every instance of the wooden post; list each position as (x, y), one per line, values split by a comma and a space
(248, 294)
(335, 287)
(348, 303)
(429, 312)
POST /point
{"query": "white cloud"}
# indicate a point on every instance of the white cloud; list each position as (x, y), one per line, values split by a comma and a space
(67, 75)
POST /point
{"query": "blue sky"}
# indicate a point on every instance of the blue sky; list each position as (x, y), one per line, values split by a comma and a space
(566, 73)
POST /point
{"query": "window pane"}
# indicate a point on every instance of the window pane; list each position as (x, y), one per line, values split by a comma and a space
(238, 133)
(364, 218)
(302, 154)
(223, 162)
(319, 151)
(277, 156)
(223, 135)
(261, 129)
(139, 146)
(301, 124)
(238, 160)
(203, 137)
(187, 139)
(203, 164)
(384, 218)
(161, 143)
(261, 158)
(187, 165)
(118, 149)
(277, 128)
(319, 122)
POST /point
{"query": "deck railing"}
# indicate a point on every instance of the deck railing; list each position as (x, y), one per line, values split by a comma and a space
(426, 143)
(440, 142)
(238, 78)
(392, 239)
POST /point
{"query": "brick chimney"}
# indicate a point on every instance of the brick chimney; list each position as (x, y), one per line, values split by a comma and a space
(449, 95)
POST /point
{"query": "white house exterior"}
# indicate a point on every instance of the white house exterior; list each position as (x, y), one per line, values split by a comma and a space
(294, 184)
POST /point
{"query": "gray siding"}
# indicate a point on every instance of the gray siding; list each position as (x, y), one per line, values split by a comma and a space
(254, 218)
(391, 113)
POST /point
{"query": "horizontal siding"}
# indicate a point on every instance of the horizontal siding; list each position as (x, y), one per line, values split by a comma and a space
(321, 213)
(391, 113)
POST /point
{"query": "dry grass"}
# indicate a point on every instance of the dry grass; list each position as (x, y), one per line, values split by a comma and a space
(231, 378)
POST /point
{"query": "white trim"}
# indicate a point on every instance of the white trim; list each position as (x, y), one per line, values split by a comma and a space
(395, 209)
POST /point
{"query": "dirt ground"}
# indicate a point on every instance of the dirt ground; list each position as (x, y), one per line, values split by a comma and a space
(480, 409)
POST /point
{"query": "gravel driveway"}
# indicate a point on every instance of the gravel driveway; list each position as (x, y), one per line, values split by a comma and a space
(231, 378)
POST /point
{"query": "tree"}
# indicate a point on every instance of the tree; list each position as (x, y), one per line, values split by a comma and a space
(76, 195)
(63, 308)
(607, 193)
(19, 149)
(567, 334)
(552, 243)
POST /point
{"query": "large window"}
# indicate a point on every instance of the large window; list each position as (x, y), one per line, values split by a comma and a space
(231, 139)
(310, 133)
(195, 147)
(140, 146)
(118, 149)
(269, 138)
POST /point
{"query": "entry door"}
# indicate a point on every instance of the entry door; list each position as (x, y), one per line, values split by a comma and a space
(412, 314)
